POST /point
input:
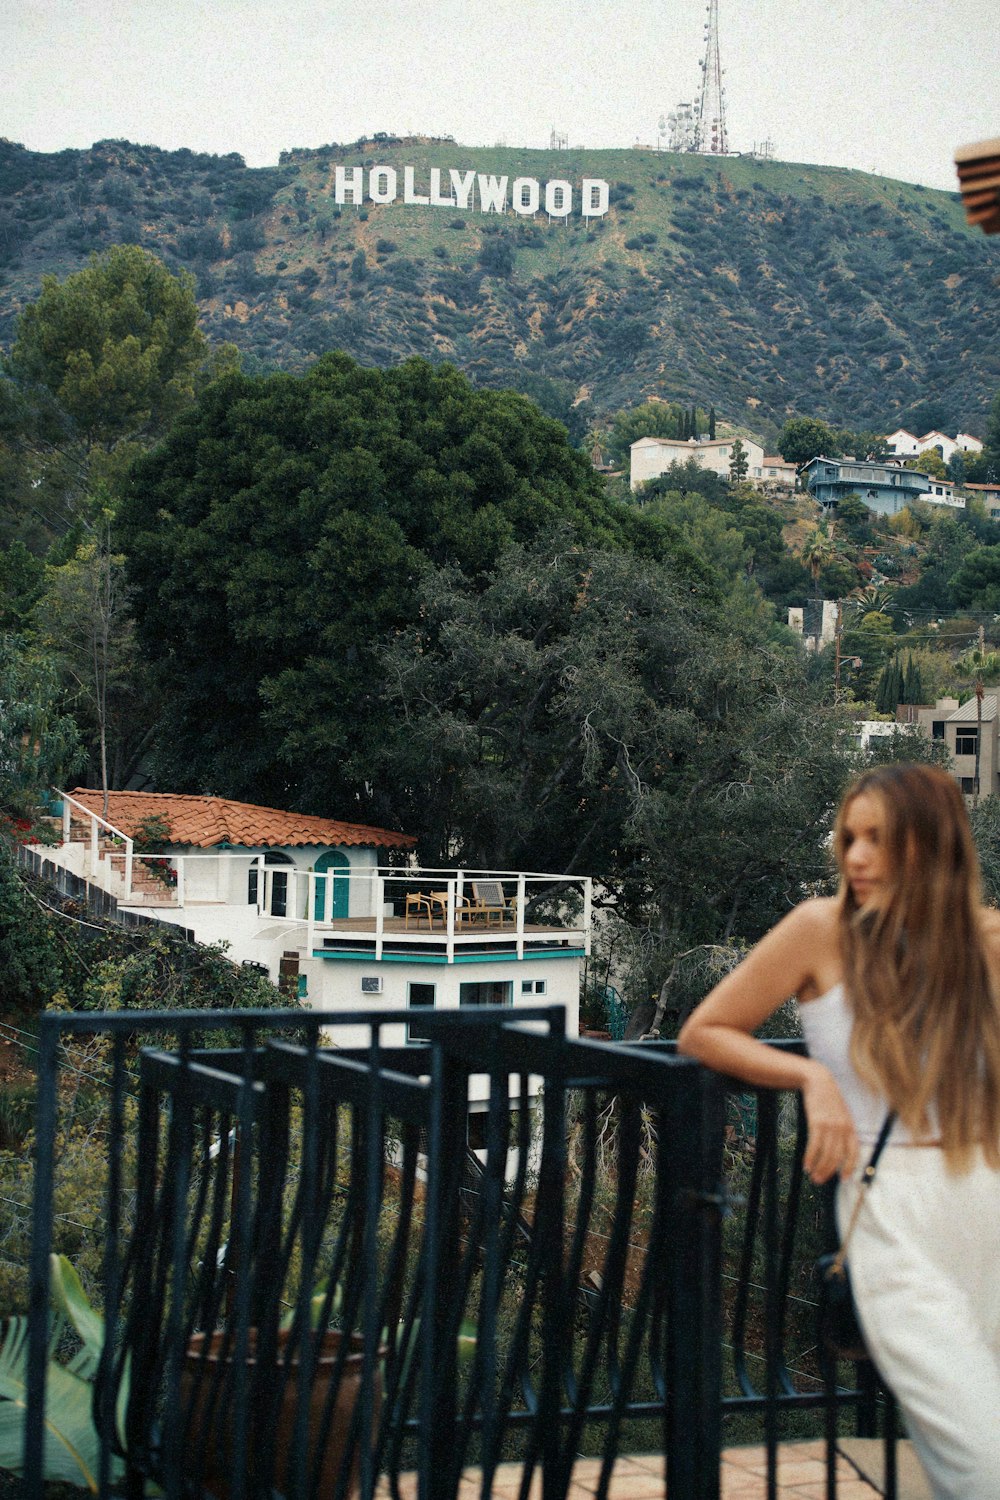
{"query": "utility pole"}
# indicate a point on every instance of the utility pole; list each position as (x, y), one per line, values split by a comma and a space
(836, 653)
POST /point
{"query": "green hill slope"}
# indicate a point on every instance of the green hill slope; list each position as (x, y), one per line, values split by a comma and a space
(760, 287)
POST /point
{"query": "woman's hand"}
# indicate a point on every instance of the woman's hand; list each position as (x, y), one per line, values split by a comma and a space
(832, 1142)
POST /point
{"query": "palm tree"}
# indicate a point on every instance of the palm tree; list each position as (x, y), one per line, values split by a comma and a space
(817, 552)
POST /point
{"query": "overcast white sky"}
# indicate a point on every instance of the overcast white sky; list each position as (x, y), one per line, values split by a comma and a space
(885, 85)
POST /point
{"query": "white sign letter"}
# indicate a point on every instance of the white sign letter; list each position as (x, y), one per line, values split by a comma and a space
(558, 198)
(596, 194)
(409, 196)
(462, 184)
(436, 199)
(524, 195)
(355, 185)
(492, 194)
(382, 184)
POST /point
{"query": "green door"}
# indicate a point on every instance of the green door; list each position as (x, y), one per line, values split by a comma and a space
(339, 865)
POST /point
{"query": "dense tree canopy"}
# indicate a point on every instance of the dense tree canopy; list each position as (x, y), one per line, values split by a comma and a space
(976, 584)
(588, 712)
(283, 529)
(651, 419)
(803, 438)
(115, 346)
(38, 742)
(101, 364)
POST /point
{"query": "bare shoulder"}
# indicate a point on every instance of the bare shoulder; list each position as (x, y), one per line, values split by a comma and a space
(816, 932)
(817, 918)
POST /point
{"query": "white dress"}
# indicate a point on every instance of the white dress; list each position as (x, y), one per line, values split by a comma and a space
(925, 1269)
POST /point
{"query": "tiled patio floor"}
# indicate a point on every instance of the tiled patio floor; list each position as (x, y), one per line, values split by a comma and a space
(801, 1476)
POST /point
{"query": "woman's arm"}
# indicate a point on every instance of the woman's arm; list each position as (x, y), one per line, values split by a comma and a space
(719, 1032)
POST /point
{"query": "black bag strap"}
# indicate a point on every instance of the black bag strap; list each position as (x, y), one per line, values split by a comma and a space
(867, 1178)
(883, 1136)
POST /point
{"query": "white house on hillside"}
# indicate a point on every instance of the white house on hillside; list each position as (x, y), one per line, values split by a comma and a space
(318, 905)
(652, 456)
(905, 444)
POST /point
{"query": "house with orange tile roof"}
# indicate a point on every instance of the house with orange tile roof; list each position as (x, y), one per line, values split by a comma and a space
(336, 912)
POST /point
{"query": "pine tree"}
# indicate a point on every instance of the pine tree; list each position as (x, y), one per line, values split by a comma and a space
(883, 689)
(913, 689)
(890, 689)
(711, 424)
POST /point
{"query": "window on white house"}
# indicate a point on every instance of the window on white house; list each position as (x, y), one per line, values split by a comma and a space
(419, 996)
(486, 992)
(966, 741)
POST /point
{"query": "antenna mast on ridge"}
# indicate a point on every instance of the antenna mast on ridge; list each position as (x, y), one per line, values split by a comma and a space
(710, 134)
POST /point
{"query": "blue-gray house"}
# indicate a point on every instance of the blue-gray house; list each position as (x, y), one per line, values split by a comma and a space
(884, 488)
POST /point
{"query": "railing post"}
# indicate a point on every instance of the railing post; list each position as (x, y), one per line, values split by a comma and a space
(438, 1394)
(93, 845)
(311, 912)
(66, 819)
(450, 921)
(519, 913)
(588, 898)
(691, 1176)
(379, 916)
(129, 859)
(180, 866)
(41, 1245)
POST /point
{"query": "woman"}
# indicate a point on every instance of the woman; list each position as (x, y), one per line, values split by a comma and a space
(898, 979)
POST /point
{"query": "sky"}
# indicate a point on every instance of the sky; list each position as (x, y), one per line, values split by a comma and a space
(890, 86)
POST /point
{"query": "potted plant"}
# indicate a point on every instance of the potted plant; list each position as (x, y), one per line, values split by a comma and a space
(207, 1388)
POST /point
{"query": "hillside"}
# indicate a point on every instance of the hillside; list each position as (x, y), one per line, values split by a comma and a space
(760, 287)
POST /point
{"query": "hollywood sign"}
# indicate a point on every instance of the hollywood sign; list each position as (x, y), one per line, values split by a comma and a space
(468, 190)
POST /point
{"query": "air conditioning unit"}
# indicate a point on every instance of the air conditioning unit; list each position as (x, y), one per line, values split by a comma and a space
(371, 985)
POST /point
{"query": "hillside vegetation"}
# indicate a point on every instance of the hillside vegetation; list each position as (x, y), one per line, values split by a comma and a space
(764, 288)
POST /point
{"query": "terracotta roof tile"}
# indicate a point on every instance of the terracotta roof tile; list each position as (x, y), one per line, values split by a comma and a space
(206, 821)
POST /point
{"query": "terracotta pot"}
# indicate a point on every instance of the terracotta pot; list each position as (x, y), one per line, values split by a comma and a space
(208, 1436)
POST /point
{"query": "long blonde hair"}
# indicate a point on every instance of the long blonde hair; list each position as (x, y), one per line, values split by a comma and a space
(926, 1029)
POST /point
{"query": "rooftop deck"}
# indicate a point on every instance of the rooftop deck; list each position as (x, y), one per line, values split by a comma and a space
(352, 910)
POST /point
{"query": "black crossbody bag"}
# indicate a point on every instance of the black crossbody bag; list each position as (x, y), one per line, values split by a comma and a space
(839, 1329)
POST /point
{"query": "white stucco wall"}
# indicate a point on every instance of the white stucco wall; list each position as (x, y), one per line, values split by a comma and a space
(336, 985)
(651, 457)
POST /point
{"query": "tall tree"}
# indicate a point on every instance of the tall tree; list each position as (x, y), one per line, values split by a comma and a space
(101, 364)
(651, 419)
(282, 531)
(739, 464)
(913, 688)
(83, 620)
(39, 743)
(803, 438)
(588, 712)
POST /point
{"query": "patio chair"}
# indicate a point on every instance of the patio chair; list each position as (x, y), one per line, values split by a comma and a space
(426, 903)
(488, 901)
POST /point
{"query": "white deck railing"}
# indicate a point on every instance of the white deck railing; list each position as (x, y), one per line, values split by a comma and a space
(447, 910)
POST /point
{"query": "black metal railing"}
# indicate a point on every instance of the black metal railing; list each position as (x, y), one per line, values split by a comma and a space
(307, 1288)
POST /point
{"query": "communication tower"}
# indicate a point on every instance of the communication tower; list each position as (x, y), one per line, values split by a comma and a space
(710, 134)
(558, 140)
(680, 125)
